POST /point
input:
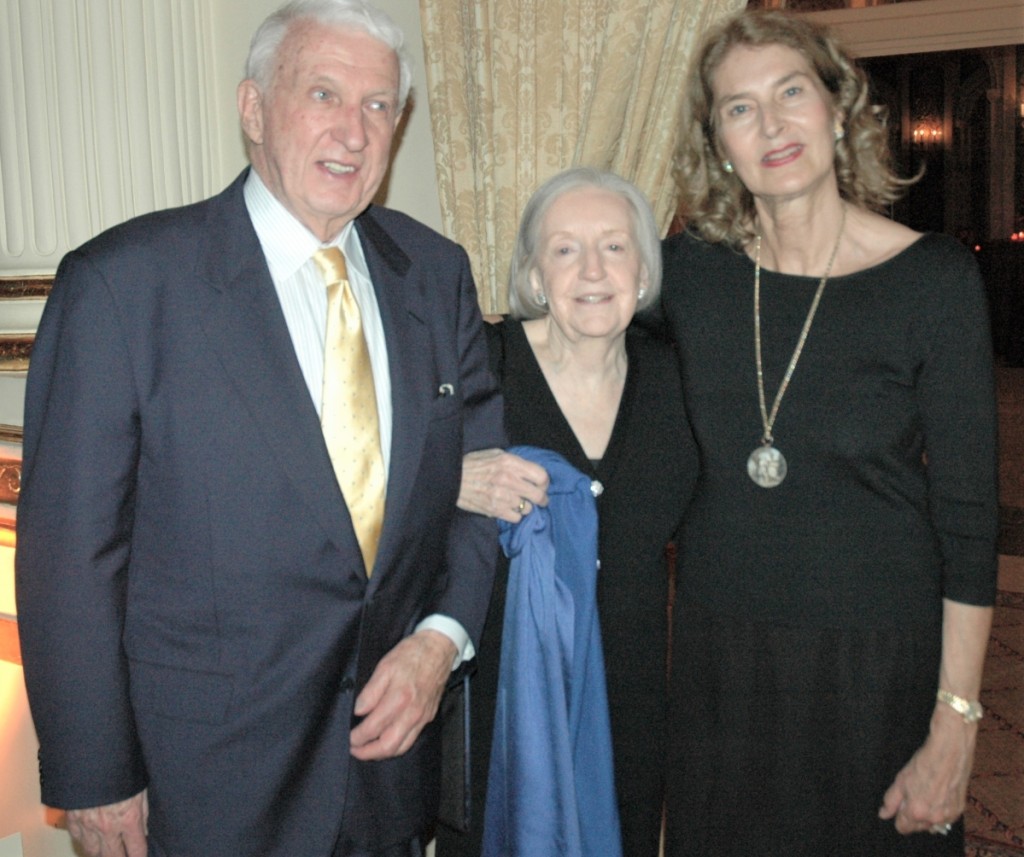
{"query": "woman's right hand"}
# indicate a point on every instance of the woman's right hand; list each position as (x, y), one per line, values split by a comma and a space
(500, 485)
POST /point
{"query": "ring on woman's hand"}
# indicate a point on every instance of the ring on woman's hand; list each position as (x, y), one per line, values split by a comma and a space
(941, 828)
(522, 506)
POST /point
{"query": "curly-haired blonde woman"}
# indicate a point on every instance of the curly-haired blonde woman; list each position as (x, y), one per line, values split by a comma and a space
(838, 561)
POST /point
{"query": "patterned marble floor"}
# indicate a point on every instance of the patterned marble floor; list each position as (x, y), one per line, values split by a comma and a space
(995, 811)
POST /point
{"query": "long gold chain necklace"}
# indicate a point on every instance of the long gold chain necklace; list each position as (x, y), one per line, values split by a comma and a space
(766, 464)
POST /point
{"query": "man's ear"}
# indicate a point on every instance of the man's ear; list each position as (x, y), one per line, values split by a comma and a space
(250, 110)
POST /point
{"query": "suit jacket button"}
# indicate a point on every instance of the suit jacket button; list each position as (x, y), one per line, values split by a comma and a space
(347, 684)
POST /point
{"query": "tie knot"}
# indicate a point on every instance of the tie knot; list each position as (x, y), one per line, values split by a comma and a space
(331, 262)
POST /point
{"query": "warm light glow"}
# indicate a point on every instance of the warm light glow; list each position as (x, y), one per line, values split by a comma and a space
(1017, 236)
(17, 738)
(927, 135)
(12, 695)
(7, 607)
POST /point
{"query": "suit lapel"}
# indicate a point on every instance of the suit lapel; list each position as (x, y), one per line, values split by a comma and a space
(246, 328)
(409, 360)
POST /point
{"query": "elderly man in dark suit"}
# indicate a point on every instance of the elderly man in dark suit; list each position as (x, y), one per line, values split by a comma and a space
(239, 607)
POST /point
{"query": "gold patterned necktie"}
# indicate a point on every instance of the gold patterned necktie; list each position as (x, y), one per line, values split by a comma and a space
(348, 414)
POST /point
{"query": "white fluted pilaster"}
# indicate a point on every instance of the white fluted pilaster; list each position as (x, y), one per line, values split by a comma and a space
(105, 113)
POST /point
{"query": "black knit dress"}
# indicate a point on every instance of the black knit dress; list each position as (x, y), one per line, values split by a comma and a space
(808, 634)
(647, 476)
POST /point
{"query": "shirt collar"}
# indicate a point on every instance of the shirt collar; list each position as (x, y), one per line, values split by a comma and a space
(286, 243)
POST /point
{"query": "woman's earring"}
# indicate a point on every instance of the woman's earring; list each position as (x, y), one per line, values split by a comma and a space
(640, 294)
(542, 299)
(727, 166)
(839, 133)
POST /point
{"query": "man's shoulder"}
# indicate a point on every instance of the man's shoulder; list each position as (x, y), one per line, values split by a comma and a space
(397, 221)
(382, 223)
(162, 230)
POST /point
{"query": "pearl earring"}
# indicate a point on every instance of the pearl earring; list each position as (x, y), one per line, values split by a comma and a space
(727, 166)
(640, 294)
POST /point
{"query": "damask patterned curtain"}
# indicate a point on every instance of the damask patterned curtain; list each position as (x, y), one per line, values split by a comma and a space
(520, 89)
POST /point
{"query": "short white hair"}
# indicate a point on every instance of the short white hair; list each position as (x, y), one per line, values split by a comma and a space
(353, 14)
(522, 301)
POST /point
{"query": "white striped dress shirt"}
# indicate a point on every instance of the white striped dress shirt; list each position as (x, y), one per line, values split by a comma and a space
(289, 247)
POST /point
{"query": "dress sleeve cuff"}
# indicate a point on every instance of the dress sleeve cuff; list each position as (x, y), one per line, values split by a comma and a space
(454, 632)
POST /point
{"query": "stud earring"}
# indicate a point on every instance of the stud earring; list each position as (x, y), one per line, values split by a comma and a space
(727, 166)
(640, 294)
(839, 133)
(542, 299)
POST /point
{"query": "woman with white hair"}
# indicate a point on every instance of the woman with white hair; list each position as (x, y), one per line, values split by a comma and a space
(608, 399)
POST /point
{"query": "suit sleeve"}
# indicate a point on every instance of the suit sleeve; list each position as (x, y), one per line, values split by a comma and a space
(74, 527)
(473, 542)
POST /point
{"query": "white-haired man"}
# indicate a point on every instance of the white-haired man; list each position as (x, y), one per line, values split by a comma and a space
(226, 653)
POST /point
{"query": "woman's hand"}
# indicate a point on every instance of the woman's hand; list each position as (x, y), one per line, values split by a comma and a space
(500, 485)
(931, 790)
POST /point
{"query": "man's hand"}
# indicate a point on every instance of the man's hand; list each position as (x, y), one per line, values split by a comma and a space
(116, 830)
(402, 696)
(500, 485)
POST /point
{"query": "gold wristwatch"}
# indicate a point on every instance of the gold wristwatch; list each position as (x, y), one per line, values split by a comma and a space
(970, 710)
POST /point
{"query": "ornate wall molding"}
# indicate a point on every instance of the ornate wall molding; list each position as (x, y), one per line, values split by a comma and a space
(927, 25)
(21, 304)
(10, 481)
(14, 352)
(12, 288)
(10, 434)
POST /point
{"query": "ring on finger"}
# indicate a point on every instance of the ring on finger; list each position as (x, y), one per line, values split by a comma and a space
(522, 505)
(942, 829)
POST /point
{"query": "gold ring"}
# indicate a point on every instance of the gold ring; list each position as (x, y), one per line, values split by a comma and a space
(522, 506)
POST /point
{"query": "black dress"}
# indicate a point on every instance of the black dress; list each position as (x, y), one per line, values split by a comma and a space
(808, 635)
(647, 475)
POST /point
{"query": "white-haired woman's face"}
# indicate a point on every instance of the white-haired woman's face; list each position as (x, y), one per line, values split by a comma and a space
(588, 264)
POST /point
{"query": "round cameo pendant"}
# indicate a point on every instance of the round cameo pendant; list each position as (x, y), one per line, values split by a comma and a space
(767, 466)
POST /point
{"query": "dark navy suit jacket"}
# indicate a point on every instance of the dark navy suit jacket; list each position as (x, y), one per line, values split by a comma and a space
(194, 612)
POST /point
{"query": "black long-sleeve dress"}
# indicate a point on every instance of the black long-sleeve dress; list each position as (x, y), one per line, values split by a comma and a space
(647, 475)
(808, 636)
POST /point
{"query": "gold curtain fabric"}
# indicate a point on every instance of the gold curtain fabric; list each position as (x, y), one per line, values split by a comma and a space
(520, 89)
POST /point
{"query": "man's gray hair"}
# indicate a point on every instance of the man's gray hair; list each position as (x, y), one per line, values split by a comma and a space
(353, 14)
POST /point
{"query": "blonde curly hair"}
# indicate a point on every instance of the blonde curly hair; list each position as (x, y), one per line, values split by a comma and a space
(715, 203)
